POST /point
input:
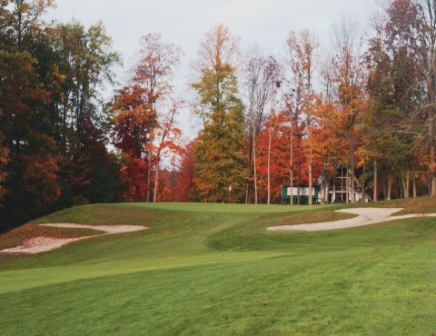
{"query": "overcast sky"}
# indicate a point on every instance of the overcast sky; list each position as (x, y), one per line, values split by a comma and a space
(266, 23)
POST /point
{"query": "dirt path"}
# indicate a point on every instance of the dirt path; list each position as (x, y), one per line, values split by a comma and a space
(365, 216)
(43, 244)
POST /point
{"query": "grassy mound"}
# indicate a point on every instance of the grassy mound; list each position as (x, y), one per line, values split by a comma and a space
(214, 269)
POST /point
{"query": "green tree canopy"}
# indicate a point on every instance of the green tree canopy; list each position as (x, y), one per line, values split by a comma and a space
(221, 141)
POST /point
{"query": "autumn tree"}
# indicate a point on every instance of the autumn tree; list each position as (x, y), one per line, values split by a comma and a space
(51, 77)
(131, 116)
(152, 72)
(348, 79)
(302, 59)
(393, 87)
(84, 66)
(185, 190)
(168, 138)
(144, 125)
(262, 79)
(424, 25)
(221, 141)
(28, 137)
(331, 146)
(273, 155)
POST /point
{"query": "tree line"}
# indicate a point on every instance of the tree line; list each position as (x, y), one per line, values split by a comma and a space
(267, 121)
(365, 105)
(52, 140)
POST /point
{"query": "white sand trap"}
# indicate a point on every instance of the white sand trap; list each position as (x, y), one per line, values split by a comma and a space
(366, 216)
(43, 244)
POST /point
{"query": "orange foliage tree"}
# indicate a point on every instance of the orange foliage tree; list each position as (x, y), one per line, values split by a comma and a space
(302, 49)
(348, 81)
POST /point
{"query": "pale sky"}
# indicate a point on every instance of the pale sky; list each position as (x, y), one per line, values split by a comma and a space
(266, 23)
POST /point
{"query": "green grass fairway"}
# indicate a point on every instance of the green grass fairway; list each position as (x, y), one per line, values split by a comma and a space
(214, 269)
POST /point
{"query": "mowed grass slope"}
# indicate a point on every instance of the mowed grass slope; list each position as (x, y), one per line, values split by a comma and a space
(214, 269)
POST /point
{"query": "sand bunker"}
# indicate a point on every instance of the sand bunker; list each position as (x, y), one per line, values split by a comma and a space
(43, 244)
(366, 216)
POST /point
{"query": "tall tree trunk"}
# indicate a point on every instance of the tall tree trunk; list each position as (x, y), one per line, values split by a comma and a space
(414, 181)
(407, 191)
(404, 184)
(310, 159)
(249, 171)
(347, 186)
(254, 167)
(310, 177)
(375, 180)
(362, 191)
(247, 188)
(156, 179)
(388, 196)
(353, 199)
(325, 185)
(247, 191)
(291, 164)
(150, 153)
(269, 166)
(432, 154)
(333, 200)
(298, 177)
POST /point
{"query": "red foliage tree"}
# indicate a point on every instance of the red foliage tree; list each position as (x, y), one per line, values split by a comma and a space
(132, 121)
(184, 190)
